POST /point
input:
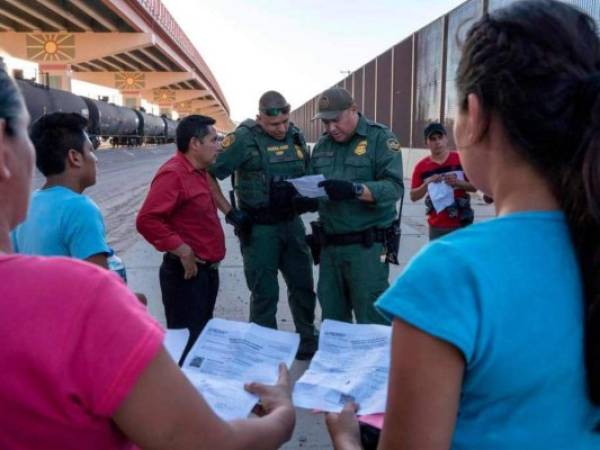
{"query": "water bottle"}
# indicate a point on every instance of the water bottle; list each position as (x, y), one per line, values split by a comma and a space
(115, 264)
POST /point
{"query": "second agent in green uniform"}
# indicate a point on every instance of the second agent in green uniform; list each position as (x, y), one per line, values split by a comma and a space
(362, 164)
(263, 153)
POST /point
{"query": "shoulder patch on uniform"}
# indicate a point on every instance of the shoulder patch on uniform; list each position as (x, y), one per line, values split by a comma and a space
(227, 141)
(361, 148)
(393, 144)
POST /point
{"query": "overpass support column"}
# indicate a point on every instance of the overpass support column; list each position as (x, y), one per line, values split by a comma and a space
(57, 76)
(132, 99)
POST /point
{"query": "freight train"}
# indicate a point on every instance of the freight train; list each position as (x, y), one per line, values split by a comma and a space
(108, 122)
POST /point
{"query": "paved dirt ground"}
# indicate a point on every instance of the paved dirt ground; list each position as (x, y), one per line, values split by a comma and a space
(124, 176)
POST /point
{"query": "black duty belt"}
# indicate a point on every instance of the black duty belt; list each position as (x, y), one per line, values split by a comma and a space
(366, 237)
(266, 216)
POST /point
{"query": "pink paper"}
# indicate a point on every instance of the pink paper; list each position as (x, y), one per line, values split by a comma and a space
(375, 420)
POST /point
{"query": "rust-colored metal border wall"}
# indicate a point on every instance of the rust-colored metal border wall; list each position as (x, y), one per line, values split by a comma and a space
(412, 83)
(383, 110)
(428, 78)
(369, 95)
(458, 23)
(401, 95)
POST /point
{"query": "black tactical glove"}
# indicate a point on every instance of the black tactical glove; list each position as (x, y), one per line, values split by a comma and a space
(238, 218)
(339, 189)
(281, 195)
(304, 204)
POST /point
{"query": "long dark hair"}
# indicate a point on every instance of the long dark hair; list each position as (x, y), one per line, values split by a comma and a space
(536, 65)
(11, 102)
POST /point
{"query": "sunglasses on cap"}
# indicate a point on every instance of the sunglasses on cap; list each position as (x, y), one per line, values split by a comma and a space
(272, 112)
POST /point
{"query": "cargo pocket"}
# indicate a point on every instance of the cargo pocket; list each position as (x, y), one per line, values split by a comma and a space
(323, 164)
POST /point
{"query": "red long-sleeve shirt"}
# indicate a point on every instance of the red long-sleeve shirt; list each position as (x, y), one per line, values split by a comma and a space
(180, 209)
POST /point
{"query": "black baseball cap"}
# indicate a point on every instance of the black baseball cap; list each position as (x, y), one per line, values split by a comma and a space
(435, 128)
(333, 102)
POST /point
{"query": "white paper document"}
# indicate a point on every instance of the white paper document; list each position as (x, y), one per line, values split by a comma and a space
(352, 363)
(175, 341)
(307, 186)
(229, 354)
(441, 194)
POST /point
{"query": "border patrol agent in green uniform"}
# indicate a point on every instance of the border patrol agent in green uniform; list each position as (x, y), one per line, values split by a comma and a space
(263, 154)
(359, 230)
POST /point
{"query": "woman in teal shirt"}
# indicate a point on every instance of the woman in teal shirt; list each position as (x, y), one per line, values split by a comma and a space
(496, 328)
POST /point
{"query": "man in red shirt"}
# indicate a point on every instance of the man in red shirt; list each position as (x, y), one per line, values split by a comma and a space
(443, 168)
(179, 217)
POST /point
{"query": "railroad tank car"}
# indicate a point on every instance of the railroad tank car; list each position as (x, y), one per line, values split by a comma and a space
(118, 124)
(108, 121)
(170, 127)
(151, 128)
(41, 100)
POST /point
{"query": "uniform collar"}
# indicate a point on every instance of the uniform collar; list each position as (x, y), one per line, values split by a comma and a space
(362, 127)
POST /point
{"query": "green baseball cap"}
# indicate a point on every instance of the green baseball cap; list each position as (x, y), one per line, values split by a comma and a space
(333, 102)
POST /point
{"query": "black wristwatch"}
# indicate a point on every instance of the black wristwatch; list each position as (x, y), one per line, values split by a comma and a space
(358, 189)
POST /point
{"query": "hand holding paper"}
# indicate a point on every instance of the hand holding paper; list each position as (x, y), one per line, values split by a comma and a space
(308, 186)
(441, 195)
(273, 397)
(352, 364)
(343, 427)
(230, 354)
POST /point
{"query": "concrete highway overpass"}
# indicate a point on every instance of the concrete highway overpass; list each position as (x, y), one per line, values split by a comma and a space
(135, 46)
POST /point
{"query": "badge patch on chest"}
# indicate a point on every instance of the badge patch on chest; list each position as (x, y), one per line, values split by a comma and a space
(393, 144)
(278, 149)
(227, 141)
(361, 148)
(299, 152)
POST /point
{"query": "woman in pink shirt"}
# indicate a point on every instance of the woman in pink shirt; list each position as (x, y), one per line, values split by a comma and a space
(83, 363)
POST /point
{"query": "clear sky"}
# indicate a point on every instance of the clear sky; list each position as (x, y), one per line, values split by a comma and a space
(296, 47)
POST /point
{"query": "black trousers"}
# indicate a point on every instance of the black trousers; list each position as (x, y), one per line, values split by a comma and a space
(188, 303)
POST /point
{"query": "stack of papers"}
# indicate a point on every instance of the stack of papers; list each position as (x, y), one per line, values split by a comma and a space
(229, 354)
(352, 364)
